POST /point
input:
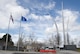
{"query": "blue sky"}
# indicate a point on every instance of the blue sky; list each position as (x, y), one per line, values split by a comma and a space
(40, 15)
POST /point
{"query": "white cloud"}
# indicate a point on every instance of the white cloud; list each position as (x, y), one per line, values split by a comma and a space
(1, 35)
(15, 38)
(41, 40)
(34, 16)
(26, 27)
(7, 7)
(42, 22)
(42, 18)
(72, 24)
(48, 5)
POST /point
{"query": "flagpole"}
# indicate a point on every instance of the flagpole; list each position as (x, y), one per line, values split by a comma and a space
(22, 19)
(7, 35)
(63, 26)
(19, 34)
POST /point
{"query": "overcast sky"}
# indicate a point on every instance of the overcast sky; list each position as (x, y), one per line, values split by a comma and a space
(40, 15)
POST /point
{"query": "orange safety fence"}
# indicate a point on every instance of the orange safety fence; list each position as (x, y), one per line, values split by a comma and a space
(48, 51)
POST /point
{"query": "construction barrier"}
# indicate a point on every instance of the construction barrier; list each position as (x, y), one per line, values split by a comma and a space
(48, 51)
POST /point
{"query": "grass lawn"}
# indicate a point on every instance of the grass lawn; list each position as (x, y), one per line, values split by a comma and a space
(78, 49)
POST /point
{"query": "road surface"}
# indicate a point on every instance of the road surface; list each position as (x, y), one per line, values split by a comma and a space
(58, 52)
(67, 52)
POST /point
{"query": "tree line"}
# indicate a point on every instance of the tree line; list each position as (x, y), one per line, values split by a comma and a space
(31, 40)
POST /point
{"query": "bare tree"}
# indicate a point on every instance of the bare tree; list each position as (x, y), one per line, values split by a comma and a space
(79, 44)
(37, 46)
(72, 42)
(68, 39)
(51, 40)
(21, 40)
(30, 42)
(58, 40)
(32, 38)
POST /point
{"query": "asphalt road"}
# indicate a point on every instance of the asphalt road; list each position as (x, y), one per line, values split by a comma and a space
(58, 52)
(67, 52)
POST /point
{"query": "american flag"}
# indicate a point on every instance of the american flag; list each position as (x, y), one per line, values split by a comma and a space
(11, 18)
